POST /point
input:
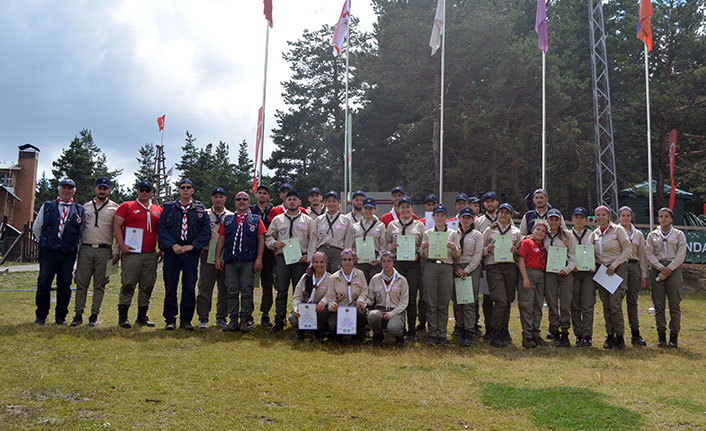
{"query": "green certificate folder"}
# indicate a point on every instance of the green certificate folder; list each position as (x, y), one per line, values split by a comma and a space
(406, 247)
(585, 257)
(464, 290)
(211, 257)
(503, 248)
(556, 258)
(437, 245)
(110, 269)
(292, 251)
(365, 249)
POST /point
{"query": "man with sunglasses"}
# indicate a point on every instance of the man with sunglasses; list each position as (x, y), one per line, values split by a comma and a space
(139, 265)
(183, 230)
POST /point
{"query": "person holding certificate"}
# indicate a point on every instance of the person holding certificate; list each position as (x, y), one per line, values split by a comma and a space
(288, 236)
(637, 271)
(584, 290)
(490, 216)
(369, 240)
(332, 232)
(666, 251)
(349, 290)
(612, 249)
(440, 247)
(388, 297)
(408, 263)
(311, 292)
(430, 202)
(467, 267)
(559, 278)
(135, 231)
(532, 261)
(460, 203)
(500, 242)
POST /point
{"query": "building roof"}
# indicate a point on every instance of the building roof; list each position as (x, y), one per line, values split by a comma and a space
(26, 147)
(10, 191)
(10, 167)
(641, 190)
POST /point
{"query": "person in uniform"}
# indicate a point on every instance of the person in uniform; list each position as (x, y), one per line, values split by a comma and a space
(356, 213)
(540, 198)
(396, 195)
(584, 290)
(388, 296)
(316, 204)
(532, 262)
(332, 232)
(241, 242)
(474, 203)
(612, 249)
(284, 190)
(438, 278)
(502, 276)
(348, 289)
(312, 289)
(183, 229)
(411, 270)
(95, 251)
(430, 202)
(292, 224)
(209, 275)
(139, 265)
(558, 287)
(58, 226)
(369, 228)
(666, 251)
(468, 265)
(490, 216)
(263, 208)
(637, 271)
(460, 202)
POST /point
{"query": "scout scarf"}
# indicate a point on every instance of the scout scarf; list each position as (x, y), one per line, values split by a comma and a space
(331, 222)
(291, 223)
(97, 210)
(664, 236)
(63, 213)
(349, 280)
(147, 210)
(387, 285)
(185, 219)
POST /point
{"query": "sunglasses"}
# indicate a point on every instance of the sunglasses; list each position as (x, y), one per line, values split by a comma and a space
(185, 187)
(144, 190)
(241, 199)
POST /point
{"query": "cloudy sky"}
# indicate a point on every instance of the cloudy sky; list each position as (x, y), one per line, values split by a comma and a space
(114, 66)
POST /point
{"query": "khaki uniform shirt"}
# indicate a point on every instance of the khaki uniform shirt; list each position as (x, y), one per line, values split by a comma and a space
(398, 294)
(495, 230)
(319, 291)
(216, 222)
(638, 250)
(279, 231)
(315, 213)
(451, 253)
(338, 293)
(472, 253)
(672, 248)
(484, 221)
(375, 229)
(355, 218)
(395, 228)
(570, 248)
(615, 245)
(103, 233)
(337, 233)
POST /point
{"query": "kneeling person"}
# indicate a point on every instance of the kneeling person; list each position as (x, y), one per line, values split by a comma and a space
(349, 289)
(312, 289)
(388, 296)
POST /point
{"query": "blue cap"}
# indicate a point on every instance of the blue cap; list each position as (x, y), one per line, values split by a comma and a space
(67, 182)
(580, 211)
(553, 213)
(397, 189)
(407, 200)
(490, 195)
(369, 202)
(293, 193)
(314, 190)
(358, 193)
(542, 191)
(102, 181)
(466, 211)
(440, 208)
(462, 197)
(261, 187)
(145, 183)
(431, 198)
(334, 194)
(506, 206)
(473, 200)
(218, 190)
(186, 181)
(285, 186)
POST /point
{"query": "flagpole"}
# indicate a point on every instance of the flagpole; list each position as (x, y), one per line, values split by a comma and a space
(544, 121)
(649, 138)
(441, 110)
(264, 98)
(345, 128)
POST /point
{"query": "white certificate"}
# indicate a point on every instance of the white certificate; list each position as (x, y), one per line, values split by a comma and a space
(452, 224)
(428, 220)
(609, 282)
(346, 320)
(307, 316)
(133, 239)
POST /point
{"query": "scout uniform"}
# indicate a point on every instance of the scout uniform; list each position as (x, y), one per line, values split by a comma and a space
(469, 260)
(332, 233)
(637, 270)
(388, 295)
(584, 291)
(356, 215)
(347, 291)
(268, 265)
(370, 230)
(314, 295)
(530, 303)
(482, 223)
(558, 289)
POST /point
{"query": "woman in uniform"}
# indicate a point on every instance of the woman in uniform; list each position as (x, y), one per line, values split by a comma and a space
(558, 287)
(468, 265)
(612, 248)
(388, 298)
(332, 232)
(637, 271)
(370, 230)
(532, 261)
(584, 291)
(349, 289)
(311, 290)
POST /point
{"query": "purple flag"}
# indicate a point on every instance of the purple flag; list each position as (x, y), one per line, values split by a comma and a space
(540, 26)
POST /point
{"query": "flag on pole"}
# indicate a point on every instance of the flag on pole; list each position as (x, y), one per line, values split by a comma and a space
(644, 26)
(435, 40)
(170, 171)
(160, 122)
(540, 26)
(258, 138)
(672, 156)
(339, 36)
(268, 11)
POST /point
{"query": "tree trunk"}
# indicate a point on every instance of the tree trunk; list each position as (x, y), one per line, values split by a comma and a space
(494, 168)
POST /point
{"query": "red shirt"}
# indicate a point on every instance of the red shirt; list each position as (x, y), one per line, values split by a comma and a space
(135, 216)
(274, 212)
(387, 217)
(261, 229)
(535, 254)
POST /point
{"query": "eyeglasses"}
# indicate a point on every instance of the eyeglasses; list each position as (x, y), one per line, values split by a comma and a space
(144, 190)
(185, 187)
(241, 199)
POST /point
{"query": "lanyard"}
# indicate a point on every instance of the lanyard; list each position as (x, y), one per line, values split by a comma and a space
(97, 210)
(348, 280)
(331, 222)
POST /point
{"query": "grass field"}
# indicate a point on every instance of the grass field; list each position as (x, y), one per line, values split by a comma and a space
(146, 378)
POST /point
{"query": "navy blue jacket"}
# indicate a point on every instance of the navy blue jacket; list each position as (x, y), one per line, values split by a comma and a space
(531, 216)
(247, 250)
(265, 217)
(169, 226)
(49, 239)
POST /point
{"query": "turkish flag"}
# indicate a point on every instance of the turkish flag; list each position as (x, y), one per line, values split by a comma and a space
(160, 122)
(268, 11)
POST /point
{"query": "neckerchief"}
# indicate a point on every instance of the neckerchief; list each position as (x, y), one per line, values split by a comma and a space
(314, 284)
(580, 238)
(665, 237)
(406, 225)
(349, 281)
(601, 232)
(97, 210)
(463, 236)
(503, 232)
(291, 223)
(387, 285)
(551, 237)
(366, 230)
(331, 222)
(185, 219)
(64, 208)
(147, 210)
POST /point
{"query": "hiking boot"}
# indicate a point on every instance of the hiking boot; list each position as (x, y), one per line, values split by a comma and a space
(244, 326)
(299, 335)
(186, 326)
(399, 342)
(221, 323)
(565, 339)
(277, 327)
(539, 341)
(170, 326)
(497, 341)
(619, 342)
(488, 334)
(458, 331)
(579, 341)
(609, 342)
(662, 337)
(40, 321)
(550, 335)
(78, 320)
(588, 341)
(507, 338)
(61, 321)
(528, 343)
(673, 340)
(92, 320)
(411, 336)
(442, 341)
(232, 326)
(637, 339)
(467, 340)
(265, 321)
(122, 317)
(203, 324)
(431, 341)
(142, 318)
(378, 339)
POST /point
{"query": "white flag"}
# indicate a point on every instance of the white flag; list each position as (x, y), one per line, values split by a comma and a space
(436, 32)
(339, 36)
(169, 172)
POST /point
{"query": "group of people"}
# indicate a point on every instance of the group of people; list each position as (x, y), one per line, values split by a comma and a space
(396, 273)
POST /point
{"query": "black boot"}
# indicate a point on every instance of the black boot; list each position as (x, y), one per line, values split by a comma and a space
(637, 339)
(539, 341)
(528, 343)
(78, 320)
(619, 342)
(673, 340)
(93, 320)
(378, 339)
(609, 341)
(497, 340)
(142, 318)
(662, 339)
(122, 317)
(399, 342)
(467, 339)
(458, 331)
(588, 341)
(556, 338)
(565, 339)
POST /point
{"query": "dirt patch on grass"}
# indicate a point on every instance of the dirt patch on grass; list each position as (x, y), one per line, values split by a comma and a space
(52, 394)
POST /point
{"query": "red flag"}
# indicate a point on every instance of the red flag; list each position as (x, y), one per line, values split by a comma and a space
(339, 36)
(258, 138)
(672, 155)
(268, 11)
(160, 122)
(644, 27)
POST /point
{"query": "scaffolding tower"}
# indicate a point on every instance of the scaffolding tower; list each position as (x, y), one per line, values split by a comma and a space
(606, 176)
(162, 189)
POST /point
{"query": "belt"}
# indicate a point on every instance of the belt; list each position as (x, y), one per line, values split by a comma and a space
(437, 261)
(96, 245)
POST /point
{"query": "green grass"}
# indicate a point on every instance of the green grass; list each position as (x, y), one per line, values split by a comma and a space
(146, 378)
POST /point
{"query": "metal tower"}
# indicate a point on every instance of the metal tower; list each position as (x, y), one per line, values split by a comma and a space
(162, 189)
(606, 177)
